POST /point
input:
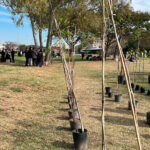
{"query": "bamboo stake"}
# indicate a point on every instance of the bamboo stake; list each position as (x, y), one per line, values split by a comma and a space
(118, 68)
(130, 91)
(103, 80)
(68, 74)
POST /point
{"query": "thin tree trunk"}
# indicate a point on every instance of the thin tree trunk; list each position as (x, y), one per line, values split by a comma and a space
(40, 38)
(33, 31)
(49, 36)
(103, 80)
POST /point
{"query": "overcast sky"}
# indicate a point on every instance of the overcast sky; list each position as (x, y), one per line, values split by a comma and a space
(23, 35)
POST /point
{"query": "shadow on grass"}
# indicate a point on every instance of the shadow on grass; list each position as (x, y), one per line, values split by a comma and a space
(119, 110)
(16, 64)
(146, 136)
(63, 144)
(63, 102)
(63, 118)
(64, 109)
(117, 120)
(60, 128)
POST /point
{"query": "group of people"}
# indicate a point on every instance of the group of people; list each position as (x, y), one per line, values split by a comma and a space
(8, 55)
(33, 57)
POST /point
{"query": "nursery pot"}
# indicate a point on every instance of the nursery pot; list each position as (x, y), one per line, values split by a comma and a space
(118, 98)
(148, 78)
(110, 94)
(73, 114)
(120, 79)
(148, 92)
(75, 124)
(137, 88)
(148, 118)
(129, 105)
(108, 90)
(80, 139)
(142, 90)
(132, 85)
(124, 82)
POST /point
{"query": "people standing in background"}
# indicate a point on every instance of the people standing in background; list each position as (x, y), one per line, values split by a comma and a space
(27, 57)
(8, 59)
(13, 55)
(30, 56)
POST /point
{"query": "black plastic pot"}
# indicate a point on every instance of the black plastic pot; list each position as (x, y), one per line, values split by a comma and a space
(148, 93)
(148, 78)
(108, 90)
(110, 95)
(148, 118)
(75, 124)
(142, 90)
(129, 105)
(70, 113)
(73, 114)
(132, 85)
(137, 88)
(124, 82)
(120, 79)
(80, 139)
(118, 98)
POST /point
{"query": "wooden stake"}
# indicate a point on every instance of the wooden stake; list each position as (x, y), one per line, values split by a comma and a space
(68, 75)
(126, 72)
(103, 80)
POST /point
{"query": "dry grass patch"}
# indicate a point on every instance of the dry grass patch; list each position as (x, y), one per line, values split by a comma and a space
(33, 109)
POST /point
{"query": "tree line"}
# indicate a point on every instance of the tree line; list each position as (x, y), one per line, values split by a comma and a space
(80, 21)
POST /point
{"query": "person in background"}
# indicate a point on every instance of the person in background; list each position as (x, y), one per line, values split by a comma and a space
(8, 59)
(34, 57)
(82, 55)
(27, 57)
(40, 58)
(13, 55)
(132, 58)
(30, 56)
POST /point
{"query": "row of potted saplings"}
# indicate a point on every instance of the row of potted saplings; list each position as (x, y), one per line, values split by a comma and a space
(118, 98)
(79, 134)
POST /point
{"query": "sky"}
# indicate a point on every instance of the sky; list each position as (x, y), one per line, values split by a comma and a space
(23, 35)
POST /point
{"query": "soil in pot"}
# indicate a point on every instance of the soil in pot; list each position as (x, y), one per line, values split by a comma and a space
(80, 139)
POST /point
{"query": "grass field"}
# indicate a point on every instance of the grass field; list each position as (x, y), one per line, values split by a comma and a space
(33, 108)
